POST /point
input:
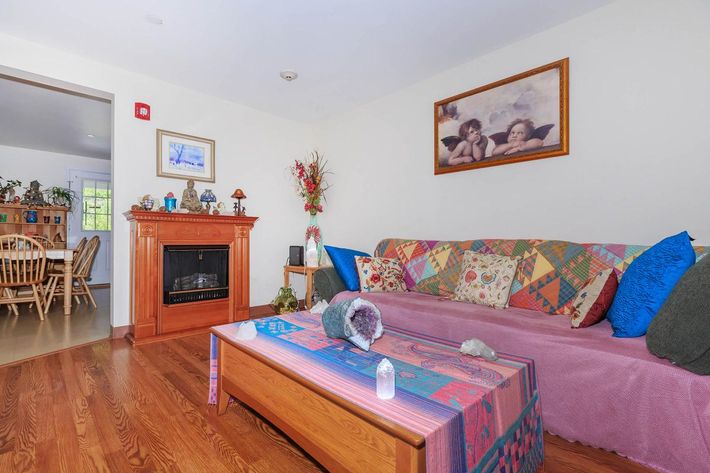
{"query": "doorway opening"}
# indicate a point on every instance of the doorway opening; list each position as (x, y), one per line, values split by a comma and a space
(56, 147)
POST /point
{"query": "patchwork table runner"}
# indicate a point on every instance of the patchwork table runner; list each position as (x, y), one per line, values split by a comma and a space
(476, 415)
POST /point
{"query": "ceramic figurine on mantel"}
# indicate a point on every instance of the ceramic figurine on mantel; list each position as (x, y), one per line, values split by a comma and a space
(190, 201)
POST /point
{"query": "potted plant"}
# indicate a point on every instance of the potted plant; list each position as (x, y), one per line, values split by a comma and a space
(7, 189)
(61, 196)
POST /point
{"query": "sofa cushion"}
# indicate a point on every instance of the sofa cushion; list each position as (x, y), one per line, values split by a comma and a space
(549, 276)
(647, 284)
(343, 260)
(419, 262)
(681, 329)
(327, 282)
(594, 299)
(379, 274)
(486, 279)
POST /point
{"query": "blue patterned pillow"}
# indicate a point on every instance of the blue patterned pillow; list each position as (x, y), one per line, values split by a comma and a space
(647, 283)
(344, 262)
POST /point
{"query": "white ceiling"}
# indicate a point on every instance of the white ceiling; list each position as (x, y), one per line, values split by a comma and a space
(50, 120)
(347, 52)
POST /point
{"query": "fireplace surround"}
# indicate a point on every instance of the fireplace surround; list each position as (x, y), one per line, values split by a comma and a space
(188, 272)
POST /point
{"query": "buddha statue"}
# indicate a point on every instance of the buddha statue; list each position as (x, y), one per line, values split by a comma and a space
(33, 196)
(190, 199)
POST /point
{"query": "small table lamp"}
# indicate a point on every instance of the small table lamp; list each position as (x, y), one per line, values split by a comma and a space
(208, 197)
(238, 209)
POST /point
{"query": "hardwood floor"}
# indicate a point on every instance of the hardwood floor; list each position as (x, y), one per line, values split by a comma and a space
(111, 408)
(25, 336)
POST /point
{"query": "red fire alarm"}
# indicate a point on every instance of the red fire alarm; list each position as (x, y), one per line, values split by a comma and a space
(142, 111)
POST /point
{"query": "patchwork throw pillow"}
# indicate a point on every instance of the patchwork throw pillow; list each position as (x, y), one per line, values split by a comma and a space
(380, 274)
(421, 262)
(343, 260)
(486, 279)
(594, 300)
(647, 283)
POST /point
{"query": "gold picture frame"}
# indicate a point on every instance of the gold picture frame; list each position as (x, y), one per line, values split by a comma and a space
(181, 156)
(520, 118)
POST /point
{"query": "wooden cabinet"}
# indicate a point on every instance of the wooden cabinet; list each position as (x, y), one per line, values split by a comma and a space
(151, 232)
(51, 222)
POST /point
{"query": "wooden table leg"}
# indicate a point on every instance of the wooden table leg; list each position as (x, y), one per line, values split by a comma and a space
(309, 289)
(68, 283)
(222, 396)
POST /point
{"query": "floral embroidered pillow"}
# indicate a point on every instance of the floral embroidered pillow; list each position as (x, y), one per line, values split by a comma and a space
(594, 299)
(380, 274)
(486, 279)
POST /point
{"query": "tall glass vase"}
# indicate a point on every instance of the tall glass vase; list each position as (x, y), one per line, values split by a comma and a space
(313, 230)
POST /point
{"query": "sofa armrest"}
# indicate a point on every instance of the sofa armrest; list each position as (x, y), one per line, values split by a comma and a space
(327, 282)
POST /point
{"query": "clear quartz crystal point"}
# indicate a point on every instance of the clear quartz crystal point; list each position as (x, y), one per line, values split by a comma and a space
(385, 379)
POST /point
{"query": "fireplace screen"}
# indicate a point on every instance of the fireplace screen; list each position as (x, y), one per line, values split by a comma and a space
(195, 273)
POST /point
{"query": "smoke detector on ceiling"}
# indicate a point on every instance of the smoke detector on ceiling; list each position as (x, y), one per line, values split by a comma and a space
(288, 75)
(154, 19)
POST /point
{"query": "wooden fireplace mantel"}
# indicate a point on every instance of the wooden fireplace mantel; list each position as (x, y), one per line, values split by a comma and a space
(150, 233)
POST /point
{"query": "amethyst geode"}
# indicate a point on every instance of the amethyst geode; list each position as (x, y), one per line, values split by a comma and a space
(355, 320)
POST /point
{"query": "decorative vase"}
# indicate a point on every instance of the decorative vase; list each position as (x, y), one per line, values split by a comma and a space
(170, 203)
(30, 216)
(148, 204)
(313, 231)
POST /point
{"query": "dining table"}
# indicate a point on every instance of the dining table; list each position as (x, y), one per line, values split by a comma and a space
(67, 256)
(56, 254)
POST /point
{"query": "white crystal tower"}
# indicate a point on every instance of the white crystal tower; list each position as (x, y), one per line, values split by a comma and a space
(385, 379)
(311, 253)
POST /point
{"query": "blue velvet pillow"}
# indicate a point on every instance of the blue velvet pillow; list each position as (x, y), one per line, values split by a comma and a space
(647, 283)
(344, 262)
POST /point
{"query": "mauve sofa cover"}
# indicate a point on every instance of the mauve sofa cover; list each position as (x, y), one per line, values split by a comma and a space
(601, 391)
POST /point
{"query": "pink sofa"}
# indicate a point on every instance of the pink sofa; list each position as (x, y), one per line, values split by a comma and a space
(601, 391)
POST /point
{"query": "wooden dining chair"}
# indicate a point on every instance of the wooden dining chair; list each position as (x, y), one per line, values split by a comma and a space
(44, 241)
(23, 263)
(83, 263)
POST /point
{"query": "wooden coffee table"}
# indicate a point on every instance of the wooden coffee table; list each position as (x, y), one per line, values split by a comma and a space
(340, 435)
(451, 412)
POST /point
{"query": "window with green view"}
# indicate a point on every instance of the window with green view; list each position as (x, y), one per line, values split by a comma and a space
(96, 201)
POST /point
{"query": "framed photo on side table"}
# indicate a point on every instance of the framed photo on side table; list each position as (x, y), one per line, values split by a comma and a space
(516, 119)
(185, 156)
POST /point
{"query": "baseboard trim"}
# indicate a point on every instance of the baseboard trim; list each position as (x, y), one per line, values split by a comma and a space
(255, 312)
(119, 332)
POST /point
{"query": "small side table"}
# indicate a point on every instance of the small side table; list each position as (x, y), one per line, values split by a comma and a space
(306, 271)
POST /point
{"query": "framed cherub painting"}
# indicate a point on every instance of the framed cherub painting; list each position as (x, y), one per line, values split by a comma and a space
(520, 118)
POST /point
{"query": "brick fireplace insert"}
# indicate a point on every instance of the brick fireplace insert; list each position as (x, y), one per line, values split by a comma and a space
(188, 272)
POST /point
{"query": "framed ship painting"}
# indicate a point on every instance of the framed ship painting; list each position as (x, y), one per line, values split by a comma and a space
(185, 156)
(521, 118)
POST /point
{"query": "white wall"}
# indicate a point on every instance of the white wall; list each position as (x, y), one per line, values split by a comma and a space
(639, 162)
(50, 169)
(253, 150)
